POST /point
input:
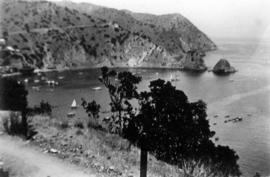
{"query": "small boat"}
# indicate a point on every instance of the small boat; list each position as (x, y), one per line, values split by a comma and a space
(36, 88)
(71, 114)
(61, 77)
(97, 88)
(43, 78)
(52, 83)
(74, 104)
(173, 79)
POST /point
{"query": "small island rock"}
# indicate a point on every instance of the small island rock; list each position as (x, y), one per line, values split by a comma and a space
(223, 67)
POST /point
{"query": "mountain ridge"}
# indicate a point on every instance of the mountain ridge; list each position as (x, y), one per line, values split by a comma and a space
(69, 35)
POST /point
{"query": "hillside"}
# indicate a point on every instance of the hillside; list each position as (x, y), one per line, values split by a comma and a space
(70, 35)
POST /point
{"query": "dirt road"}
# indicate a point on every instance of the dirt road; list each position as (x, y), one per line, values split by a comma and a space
(23, 160)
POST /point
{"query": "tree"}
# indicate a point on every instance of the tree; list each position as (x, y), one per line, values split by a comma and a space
(176, 131)
(166, 125)
(14, 97)
(91, 108)
(122, 88)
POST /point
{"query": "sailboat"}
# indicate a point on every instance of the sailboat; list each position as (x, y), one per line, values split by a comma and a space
(74, 104)
(173, 79)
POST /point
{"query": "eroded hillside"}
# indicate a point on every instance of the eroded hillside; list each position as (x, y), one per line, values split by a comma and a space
(69, 35)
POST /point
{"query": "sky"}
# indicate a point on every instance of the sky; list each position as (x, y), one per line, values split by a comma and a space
(216, 18)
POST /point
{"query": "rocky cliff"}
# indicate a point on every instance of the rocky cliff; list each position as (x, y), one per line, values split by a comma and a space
(70, 35)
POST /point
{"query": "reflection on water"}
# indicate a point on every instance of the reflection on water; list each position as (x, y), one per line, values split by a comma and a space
(245, 94)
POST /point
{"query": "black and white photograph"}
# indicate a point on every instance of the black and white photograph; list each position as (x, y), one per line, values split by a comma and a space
(134, 88)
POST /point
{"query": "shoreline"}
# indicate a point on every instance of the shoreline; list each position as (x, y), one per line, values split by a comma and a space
(98, 67)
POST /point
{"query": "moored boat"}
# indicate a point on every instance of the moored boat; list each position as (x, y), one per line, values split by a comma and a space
(97, 88)
(74, 104)
(71, 114)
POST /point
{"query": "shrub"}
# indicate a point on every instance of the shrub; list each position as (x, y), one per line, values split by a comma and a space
(64, 124)
(79, 124)
(91, 108)
(43, 108)
(96, 126)
(79, 132)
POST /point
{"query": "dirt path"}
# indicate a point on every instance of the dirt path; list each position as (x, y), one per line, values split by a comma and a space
(23, 160)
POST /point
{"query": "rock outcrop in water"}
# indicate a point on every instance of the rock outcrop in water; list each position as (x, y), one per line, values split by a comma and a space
(194, 61)
(72, 35)
(223, 67)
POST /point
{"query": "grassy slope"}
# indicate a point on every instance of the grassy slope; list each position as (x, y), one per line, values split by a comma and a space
(107, 154)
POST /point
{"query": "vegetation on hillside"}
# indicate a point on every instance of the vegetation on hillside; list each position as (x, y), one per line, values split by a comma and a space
(50, 35)
(167, 125)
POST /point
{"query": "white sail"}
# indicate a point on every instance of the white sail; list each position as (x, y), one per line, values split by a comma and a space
(74, 104)
(171, 78)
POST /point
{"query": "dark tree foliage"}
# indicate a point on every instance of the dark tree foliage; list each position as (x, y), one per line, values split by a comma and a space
(175, 130)
(166, 124)
(42, 108)
(91, 108)
(122, 88)
(14, 97)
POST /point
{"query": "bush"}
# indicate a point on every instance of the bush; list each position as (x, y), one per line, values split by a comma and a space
(79, 132)
(96, 126)
(43, 108)
(79, 124)
(91, 108)
(64, 124)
